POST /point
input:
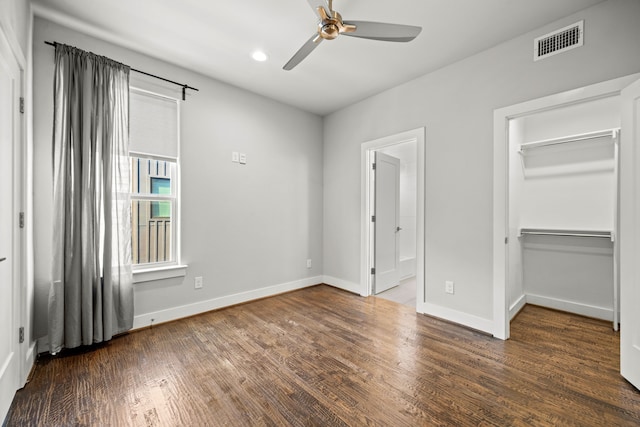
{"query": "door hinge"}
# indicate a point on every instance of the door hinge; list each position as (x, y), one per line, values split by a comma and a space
(373, 271)
(21, 105)
(506, 240)
(21, 219)
(21, 335)
(373, 166)
(373, 218)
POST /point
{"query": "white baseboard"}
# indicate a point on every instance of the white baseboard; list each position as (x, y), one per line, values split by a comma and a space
(407, 268)
(343, 284)
(571, 307)
(29, 360)
(174, 313)
(464, 319)
(517, 306)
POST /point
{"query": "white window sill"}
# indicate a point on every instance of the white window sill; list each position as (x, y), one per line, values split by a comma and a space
(159, 273)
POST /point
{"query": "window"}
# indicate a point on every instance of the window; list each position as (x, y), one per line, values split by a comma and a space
(153, 201)
(153, 158)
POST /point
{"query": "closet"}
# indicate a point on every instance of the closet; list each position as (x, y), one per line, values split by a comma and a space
(563, 209)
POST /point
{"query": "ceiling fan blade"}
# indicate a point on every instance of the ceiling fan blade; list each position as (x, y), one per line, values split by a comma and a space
(383, 31)
(315, 4)
(303, 52)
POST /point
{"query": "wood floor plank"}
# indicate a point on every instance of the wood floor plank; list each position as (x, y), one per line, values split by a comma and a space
(324, 357)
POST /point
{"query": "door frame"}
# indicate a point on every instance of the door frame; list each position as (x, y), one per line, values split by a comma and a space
(367, 150)
(501, 118)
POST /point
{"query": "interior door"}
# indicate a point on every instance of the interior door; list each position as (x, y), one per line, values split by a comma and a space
(387, 222)
(9, 286)
(630, 235)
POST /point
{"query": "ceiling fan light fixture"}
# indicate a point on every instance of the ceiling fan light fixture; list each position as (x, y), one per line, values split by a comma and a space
(259, 56)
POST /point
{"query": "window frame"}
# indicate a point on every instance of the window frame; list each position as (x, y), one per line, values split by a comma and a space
(165, 269)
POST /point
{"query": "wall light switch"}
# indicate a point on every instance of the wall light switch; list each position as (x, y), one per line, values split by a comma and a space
(309, 263)
(243, 159)
(235, 157)
(198, 282)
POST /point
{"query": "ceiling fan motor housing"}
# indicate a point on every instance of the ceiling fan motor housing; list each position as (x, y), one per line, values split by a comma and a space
(328, 31)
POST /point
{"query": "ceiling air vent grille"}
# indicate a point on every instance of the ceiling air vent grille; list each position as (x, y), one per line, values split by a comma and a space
(559, 41)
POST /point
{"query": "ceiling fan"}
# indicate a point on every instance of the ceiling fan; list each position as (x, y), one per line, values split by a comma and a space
(331, 26)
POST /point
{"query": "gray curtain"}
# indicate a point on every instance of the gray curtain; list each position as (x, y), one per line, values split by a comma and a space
(91, 293)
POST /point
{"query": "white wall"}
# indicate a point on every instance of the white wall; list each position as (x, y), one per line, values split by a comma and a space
(456, 105)
(244, 227)
(15, 18)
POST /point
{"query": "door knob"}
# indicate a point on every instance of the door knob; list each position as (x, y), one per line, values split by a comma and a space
(2, 259)
(398, 229)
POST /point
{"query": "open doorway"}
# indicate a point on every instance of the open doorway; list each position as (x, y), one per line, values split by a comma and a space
(393, 218)
(556, 204)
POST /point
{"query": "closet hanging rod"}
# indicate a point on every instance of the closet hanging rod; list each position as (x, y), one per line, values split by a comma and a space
(567, 233)
(182, 85)
(611, 133)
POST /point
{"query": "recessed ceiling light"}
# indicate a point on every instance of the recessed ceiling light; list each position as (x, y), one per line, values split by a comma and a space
(259, 56)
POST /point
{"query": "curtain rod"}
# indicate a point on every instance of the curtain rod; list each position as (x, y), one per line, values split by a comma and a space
(183, 86)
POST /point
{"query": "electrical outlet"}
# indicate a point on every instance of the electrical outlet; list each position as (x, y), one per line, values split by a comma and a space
(198, 282)
(309, 263)
(448, 287)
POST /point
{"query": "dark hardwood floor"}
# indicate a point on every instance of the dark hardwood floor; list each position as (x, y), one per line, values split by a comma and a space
(324, 357)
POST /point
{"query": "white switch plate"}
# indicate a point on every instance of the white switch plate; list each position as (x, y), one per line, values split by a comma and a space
(448, 287)
(243, 159)
(235, 157)
(198, 282)
(309, 263)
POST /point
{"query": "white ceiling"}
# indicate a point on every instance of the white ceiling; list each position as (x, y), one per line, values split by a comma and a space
(216, 38)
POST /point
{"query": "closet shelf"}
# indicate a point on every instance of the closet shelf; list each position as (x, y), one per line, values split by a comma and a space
(564, 232)
(607, 133)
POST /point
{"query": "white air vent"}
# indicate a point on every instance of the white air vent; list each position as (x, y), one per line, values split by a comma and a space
(559, 41)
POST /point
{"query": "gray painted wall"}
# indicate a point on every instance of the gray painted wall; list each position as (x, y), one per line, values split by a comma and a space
(456, 105)
(243, 227)
(15, 17)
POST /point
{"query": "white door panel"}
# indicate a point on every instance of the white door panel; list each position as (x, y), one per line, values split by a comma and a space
(387, 213)
(630, 235)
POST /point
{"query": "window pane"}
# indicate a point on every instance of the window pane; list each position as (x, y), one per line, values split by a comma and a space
(152, 176)
(160, 186)
(151, 231)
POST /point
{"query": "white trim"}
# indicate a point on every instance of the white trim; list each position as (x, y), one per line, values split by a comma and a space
(571, 307)
(175, 313)
(517, 306)
(29, 360)
(366, 156)
(459, 317)
(345, 285)
(143, 275)
(153, 156)
(152, 93)
(501, 119)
